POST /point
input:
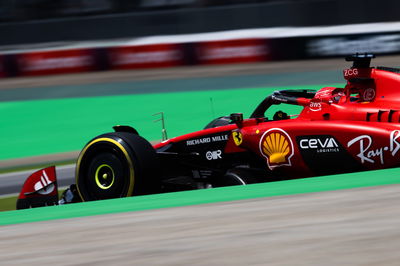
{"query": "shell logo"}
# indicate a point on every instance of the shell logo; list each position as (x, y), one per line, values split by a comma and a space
(277, 147)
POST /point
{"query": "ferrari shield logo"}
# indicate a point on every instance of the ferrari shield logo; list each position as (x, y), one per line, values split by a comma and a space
(277, 147)
(237, 138)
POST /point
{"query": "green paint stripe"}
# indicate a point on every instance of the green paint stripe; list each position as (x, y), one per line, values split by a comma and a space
(42, 127)
(168, 200)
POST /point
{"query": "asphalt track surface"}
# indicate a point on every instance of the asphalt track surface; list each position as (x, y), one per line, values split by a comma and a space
(346, 227)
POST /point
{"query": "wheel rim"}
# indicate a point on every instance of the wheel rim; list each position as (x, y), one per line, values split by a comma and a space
(104, 171)
(104, 176)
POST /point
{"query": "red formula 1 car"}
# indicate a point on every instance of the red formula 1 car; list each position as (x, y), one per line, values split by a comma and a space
(337, 130)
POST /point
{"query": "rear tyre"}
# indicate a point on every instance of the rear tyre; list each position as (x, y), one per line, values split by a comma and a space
(116, 165)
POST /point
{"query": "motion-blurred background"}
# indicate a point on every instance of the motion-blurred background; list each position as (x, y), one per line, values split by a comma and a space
(115, 34)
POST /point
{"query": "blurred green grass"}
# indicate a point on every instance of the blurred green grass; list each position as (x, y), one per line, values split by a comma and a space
(8, 203)
(41, 127)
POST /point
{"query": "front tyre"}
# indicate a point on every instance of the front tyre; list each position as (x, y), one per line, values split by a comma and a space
(116, 165)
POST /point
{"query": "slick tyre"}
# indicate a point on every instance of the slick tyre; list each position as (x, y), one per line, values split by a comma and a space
(116, 165)
(236, 177)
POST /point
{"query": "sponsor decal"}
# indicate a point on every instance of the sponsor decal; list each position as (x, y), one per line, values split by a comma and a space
(277, 147)
(232, 51)
(214, 155)
(369, 155)
(387, 43)
(323, 153)
(158, 55)
(205, 140)
(147, 57)
(319, 144)
(350, 72)
(55, 62)
(369, 94)
(316, 105)
(356, 72)
(237, 138)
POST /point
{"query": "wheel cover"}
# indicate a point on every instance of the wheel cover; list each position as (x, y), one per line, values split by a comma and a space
(116, 144)
(104, 176)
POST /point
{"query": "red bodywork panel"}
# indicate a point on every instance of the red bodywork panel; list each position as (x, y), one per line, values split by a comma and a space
(346, 129)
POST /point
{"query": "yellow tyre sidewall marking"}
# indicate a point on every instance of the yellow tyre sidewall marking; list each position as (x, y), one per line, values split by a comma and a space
(124, 151)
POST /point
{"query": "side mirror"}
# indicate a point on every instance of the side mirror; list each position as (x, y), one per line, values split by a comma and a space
(237, 118)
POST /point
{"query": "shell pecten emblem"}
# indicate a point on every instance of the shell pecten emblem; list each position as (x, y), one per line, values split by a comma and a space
(277, 147)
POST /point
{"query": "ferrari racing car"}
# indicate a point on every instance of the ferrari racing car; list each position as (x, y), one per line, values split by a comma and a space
(336, 130)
